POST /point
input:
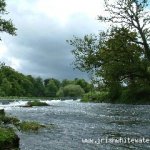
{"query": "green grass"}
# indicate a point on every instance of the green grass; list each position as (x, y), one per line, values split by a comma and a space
(21, 125)
(8, 139)
(9, 120)
(4, 119)
(36, 103)
(30, 126)
(6, 134)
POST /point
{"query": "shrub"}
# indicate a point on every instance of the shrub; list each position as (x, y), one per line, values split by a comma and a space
(95, 97)
(36, 103)
(30, 126)
(8, 139)
(9, 120)
(136, 95)
(73, 90)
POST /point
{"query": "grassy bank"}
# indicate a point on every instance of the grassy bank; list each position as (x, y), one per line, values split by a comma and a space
(9, 140)
(97, 97)
(125, 96)
(36, 103)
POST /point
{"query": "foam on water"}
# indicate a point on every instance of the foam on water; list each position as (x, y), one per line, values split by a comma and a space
(23, 103)
(13, 104)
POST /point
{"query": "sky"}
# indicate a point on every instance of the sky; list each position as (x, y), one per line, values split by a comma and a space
(43, 26)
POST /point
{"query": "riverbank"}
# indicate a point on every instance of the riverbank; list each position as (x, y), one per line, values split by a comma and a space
(8, 138)
(121, 98)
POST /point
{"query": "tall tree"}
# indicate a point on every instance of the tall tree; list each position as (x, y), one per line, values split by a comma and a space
(133, 14)
(85, 85)
(116, 59)
(38, 85)
(5, 25)
(51, 88)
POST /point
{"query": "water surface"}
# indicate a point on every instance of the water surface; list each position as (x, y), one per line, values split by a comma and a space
(81, 126)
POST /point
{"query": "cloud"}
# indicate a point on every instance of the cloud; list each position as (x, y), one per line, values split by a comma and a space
(40, 48)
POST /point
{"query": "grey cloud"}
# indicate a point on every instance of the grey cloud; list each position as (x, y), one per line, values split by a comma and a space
(41, 43)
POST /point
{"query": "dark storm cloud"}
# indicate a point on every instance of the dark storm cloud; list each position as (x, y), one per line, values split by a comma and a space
(41, 43)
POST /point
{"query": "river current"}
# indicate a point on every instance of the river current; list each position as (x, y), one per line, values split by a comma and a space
(85, 126)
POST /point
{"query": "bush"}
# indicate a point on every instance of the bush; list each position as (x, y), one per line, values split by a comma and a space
(136, 95)
(4, 119)
(36, 103)
(8, 139)
(9, 120)
(60, 93)
(95, 97)
(30, 126)
(71, 90)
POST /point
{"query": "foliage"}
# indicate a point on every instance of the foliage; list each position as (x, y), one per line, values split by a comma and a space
(136, 95)
(131, 14)
(120, 57)
(72, 90)
(96, 97)
(9, 120)
(85, 52)
(7, 135)
(38, 86)
(30, 126)
(51, 89)
(5, 25)
(60, 93)
(4, 119)
(36, 103)
(13, 83)
(8, 138)
(84, 84)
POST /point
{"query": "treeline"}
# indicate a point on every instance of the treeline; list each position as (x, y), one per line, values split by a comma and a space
(13, 83)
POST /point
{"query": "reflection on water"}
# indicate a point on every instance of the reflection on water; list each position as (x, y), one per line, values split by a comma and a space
(75, 121)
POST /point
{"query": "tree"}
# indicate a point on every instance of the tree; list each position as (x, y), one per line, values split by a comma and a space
(38, 87)
(5, 25)
(122, 59)
(123, 63)
(87, 52)
(57, 82)
(132, 14)
(60, 92)
(6, 87)
(66, 82)
(116, 60)
(72, 90)
(85, 85)
(51, 89)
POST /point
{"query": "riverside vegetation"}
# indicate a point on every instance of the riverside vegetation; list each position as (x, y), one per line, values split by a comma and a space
(118, 59)
(14, 85)
(8, 125)
(36, 103)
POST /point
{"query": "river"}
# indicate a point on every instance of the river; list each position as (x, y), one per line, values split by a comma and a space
(85, 126)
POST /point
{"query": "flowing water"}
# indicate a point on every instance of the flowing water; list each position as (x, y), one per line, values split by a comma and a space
(85, 126)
